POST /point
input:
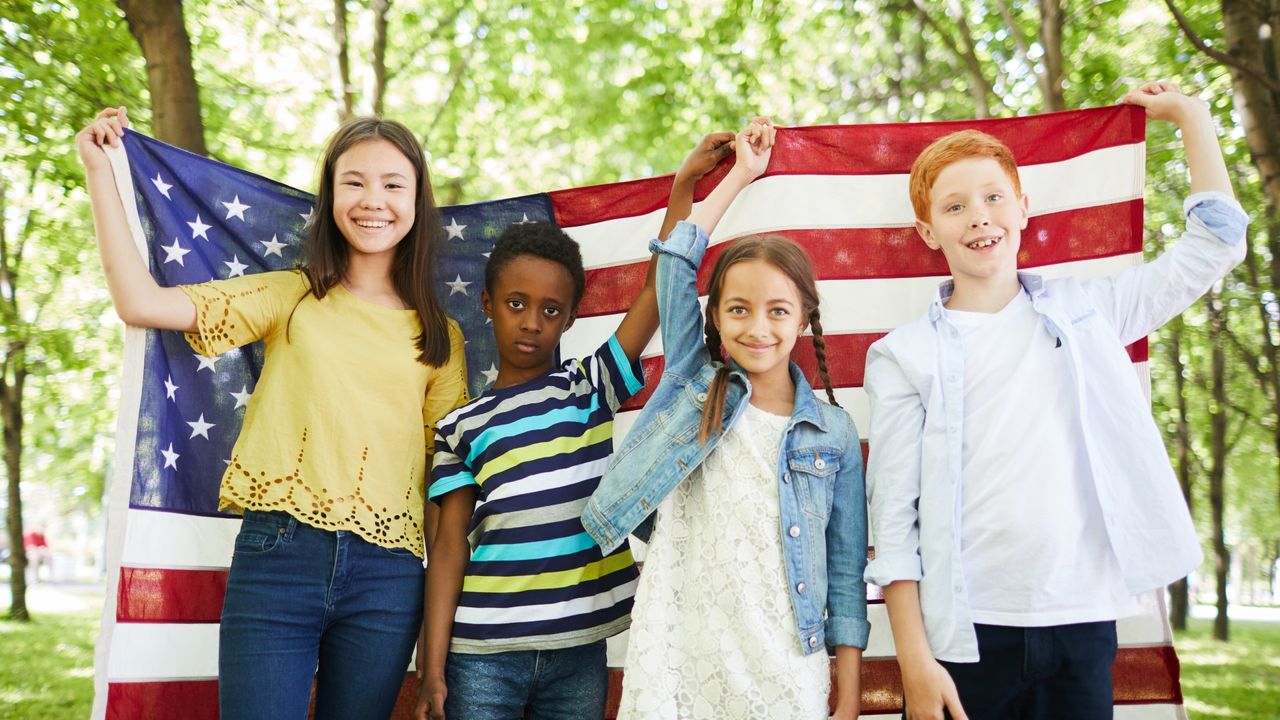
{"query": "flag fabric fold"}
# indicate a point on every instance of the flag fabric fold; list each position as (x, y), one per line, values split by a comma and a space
(840, 191)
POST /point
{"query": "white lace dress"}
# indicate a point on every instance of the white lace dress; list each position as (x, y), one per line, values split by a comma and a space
(713, 634)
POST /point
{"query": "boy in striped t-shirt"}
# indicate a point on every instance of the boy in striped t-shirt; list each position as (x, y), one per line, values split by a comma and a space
(519, 598)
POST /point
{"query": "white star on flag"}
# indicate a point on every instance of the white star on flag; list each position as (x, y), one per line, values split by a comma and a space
(170, 457)
(174, 252)
(170, 389)
(162, 186)
(524, 220)
(237, 268)
(198, 229)
(306, 216)
(200, 427)
(274, 247)
(454, 229)
(242, 397)
(458, 286)
(490, 375)
(236, 209)
(206, 362)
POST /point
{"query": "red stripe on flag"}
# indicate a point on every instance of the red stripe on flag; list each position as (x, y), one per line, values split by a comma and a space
(169, 700)
(870, 253)
(170, 595)
(868, 150)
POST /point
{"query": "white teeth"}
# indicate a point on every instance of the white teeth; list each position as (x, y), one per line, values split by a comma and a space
(985, 242)
(372, 224)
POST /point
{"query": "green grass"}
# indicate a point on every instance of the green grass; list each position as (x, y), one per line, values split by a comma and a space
(46, 665)
(1239, 679)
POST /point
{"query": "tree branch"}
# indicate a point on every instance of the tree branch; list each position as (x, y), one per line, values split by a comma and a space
(1225, 58)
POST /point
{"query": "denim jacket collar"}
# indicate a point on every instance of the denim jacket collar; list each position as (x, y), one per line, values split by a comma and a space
(806, 407)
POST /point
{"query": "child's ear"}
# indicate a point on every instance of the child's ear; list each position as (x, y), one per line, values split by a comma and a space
(1026, 212)
(572, 317)
(925, 231)
(486, 303)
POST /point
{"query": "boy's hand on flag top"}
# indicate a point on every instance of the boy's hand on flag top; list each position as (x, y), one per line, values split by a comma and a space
(711, 149)
(1164, 101)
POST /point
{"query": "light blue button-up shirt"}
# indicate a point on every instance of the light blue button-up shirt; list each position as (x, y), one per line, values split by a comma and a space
(915, 379)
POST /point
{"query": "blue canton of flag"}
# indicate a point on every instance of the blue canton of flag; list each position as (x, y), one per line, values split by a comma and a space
(203, 221)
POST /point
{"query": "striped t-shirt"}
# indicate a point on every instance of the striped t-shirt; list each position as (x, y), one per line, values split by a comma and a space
(536, 451)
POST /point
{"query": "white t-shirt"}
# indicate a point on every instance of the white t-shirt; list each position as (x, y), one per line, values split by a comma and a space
(1033, 544)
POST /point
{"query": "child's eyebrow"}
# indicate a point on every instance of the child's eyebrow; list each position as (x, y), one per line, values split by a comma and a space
(770, 301)
(384, 176)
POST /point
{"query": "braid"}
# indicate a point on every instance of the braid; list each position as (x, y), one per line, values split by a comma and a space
(820, 349)
(713, 411)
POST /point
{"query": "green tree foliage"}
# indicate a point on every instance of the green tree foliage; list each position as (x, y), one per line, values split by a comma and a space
(515, 97)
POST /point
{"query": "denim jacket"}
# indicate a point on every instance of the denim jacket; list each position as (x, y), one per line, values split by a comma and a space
(915, 379)
(820, 485)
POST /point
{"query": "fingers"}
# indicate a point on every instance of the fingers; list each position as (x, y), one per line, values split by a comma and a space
(952, 701)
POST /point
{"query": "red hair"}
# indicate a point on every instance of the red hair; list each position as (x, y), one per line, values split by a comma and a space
(950, 149)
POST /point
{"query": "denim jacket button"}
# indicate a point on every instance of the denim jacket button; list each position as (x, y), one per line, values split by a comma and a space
(819, 463)
(800, 588)
(813, 642)
(702, 397)
(794, 531)
(786, 477)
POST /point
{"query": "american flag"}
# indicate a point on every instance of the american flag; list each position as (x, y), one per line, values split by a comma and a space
(840, 191)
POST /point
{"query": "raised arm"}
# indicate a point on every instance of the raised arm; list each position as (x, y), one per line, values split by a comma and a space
(637, 328)
(1164, 101)
(138, 299)
(1143, 298)
(753, 146)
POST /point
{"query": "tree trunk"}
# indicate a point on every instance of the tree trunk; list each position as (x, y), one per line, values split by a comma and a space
(1051, 40)
(159, 28)
(1218, 461)
(1179, 602)
(11, 412)
(380, 10)
(1259, 110)
(12, 419)
(346, 93)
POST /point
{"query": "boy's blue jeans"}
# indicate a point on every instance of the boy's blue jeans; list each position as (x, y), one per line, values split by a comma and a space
(567, 684)
(299, 597)
(1062, 672)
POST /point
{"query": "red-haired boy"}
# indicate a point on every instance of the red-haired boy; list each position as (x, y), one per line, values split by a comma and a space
(1020, 493)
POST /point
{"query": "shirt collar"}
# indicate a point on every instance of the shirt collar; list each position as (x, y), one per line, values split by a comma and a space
(1033, 284)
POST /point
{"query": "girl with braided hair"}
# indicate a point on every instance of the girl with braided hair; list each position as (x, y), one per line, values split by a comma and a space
(746, 486)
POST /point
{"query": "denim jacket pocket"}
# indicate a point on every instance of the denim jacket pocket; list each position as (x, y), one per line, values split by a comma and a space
(262, 532)
(814, 474)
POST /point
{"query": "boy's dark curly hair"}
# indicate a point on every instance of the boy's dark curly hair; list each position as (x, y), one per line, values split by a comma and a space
(539, 239)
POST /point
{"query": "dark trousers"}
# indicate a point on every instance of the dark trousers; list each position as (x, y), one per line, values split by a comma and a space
(1062, 672)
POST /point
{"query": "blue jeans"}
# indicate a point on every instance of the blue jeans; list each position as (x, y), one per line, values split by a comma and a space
(299, 598)
(567, 684)
(1061, 672)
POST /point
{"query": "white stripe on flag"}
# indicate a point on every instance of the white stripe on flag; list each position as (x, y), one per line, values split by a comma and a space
(850, 305)
(155, 539)
(781, 202)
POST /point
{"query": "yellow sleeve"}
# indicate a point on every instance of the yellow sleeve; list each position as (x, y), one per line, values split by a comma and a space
(446, 389)
(238, 311)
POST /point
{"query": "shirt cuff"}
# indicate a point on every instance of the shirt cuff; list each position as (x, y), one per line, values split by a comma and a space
(884, 570)
(848, 631)
(686, 240)
(1220, 214)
